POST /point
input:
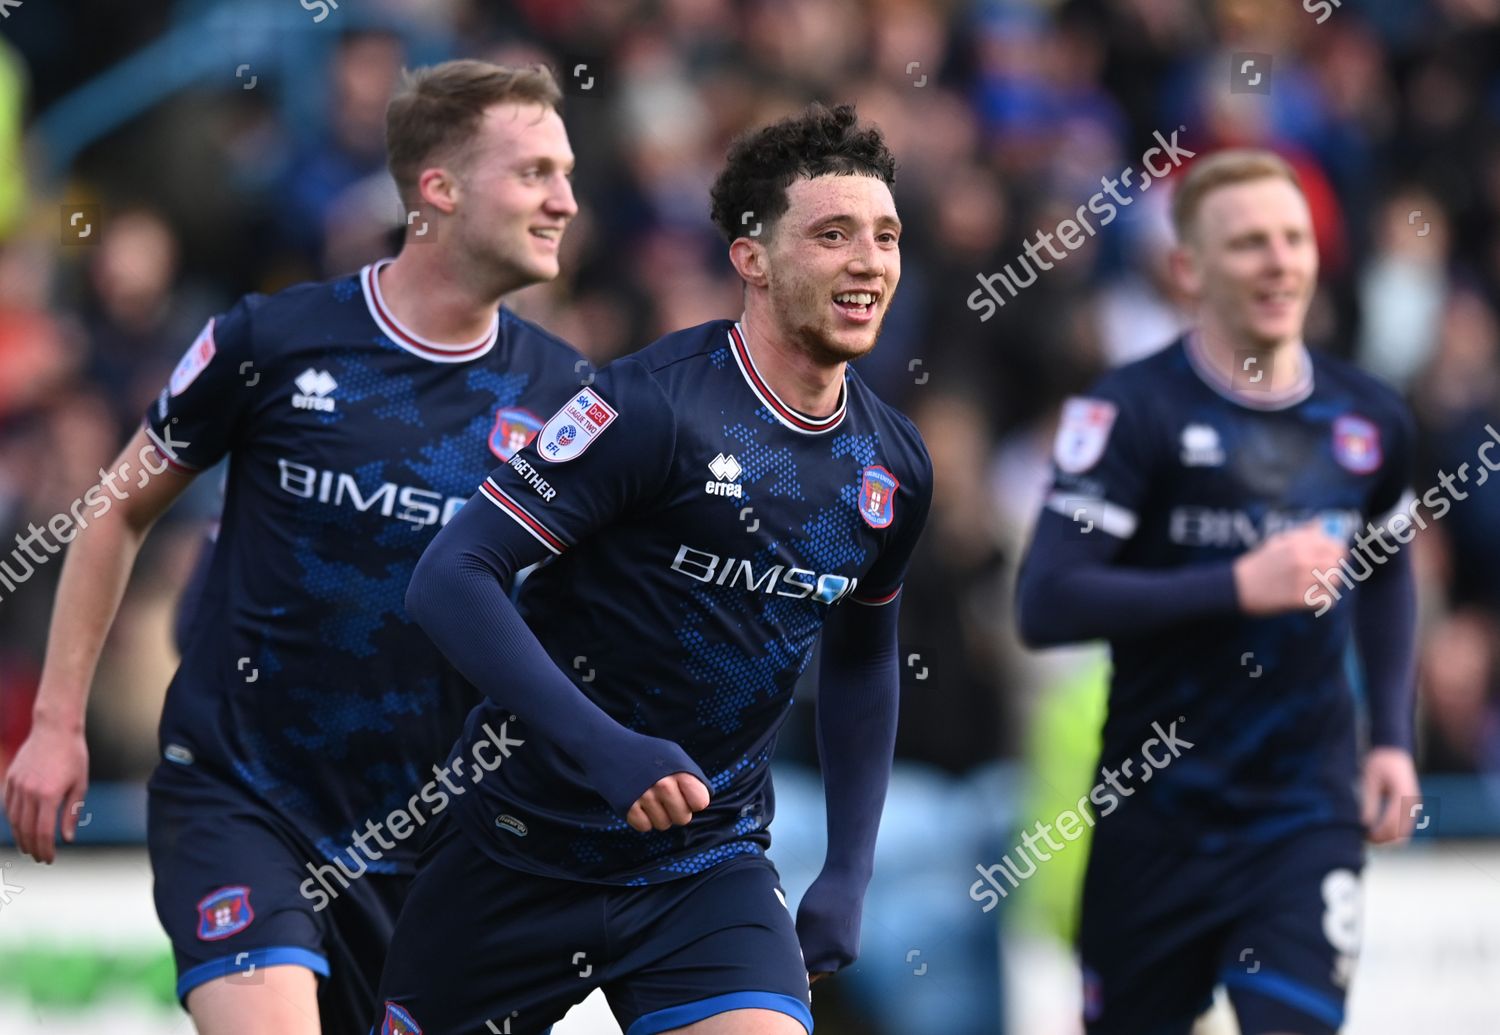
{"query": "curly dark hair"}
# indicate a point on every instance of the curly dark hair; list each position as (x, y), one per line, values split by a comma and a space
(819, 141)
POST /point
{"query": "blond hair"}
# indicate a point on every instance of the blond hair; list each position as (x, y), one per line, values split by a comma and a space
(1223, 169)
(435, 111)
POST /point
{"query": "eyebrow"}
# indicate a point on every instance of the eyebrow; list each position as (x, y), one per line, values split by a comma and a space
(843, 217)
(546, 161)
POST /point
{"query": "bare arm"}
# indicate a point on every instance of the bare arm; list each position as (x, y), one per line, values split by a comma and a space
(51, 767)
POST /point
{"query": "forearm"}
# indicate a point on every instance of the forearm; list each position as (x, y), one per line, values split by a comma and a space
(457, 594)
(1385, 632)
(858, 704)
(1071, 590)
(858, 693)
(95, 572)
(461, 603)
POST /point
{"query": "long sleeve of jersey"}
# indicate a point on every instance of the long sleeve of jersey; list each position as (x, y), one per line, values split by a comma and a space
(1385, 605)
(457, 594)
(859, 697)
(1070, 589)
(1072, 585)
(1385, 622)
(858, 701)
(458, 591)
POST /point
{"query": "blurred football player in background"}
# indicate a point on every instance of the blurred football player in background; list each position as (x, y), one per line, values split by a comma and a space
(1212, 506)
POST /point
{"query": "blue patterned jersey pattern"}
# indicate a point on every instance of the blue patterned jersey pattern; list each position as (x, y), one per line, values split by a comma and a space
(698, 532)
(351, 440)
(1185, 470)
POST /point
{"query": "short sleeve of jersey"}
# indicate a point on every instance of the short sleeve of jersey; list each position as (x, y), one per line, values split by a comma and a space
(201, 413)
(913, 499)
(1101, 461)
(605, 452)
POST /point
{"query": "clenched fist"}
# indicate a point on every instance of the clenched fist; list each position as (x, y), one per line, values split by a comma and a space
(1275, 576)
(670, 802)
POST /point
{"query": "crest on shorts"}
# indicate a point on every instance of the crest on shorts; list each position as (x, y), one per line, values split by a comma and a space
(573, 428)
(224, 912)
(513, 431)
(877, 496)
(398, 1022)
(1356, 444)
(1083, 433)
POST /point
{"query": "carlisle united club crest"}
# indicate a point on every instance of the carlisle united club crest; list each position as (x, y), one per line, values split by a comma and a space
(877, 496)
(224, 912)
(398, 1022)
(1356, 444)
(513, 431)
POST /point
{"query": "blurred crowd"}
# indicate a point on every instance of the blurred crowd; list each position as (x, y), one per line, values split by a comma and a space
(1003, 117)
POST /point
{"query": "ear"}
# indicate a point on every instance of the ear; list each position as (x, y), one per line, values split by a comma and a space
(749, 258)
(439, 190)
(1187, 270)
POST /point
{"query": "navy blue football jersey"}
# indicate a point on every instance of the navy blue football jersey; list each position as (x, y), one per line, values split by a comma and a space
(1184, 470)
(351, 440)
(700, 532)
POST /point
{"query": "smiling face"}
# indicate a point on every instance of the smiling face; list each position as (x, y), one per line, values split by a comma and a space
(1251, 261)
(832, 263)
(513, 197)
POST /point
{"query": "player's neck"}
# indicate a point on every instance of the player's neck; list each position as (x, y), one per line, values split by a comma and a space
(437, 302)
(793, 374)
(1281, 364)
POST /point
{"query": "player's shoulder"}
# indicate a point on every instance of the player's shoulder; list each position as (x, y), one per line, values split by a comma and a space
(1338, 380)
(672, 369)
(281, 320)
(535, 339)
(1145, 378)
(896, 430)
(639, 388)
(686, 350)
(1134, 399)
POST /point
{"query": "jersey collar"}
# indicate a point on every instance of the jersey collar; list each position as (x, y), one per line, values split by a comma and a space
(794, 419)
(1248, 397)
(392, 328)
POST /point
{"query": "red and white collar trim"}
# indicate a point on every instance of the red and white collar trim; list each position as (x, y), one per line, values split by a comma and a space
(1249, 397)
(794, 419)
(392, 328)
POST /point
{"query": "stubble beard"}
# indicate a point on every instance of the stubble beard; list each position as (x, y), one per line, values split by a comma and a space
(814, 335)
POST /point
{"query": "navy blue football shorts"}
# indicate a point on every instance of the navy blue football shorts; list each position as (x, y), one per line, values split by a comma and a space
(482, 947)
(229, 873)
(1277, 924)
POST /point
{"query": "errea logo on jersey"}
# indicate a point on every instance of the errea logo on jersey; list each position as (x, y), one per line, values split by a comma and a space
(1201, 446)
(727, 470)
(313, 389)
(797, 583)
